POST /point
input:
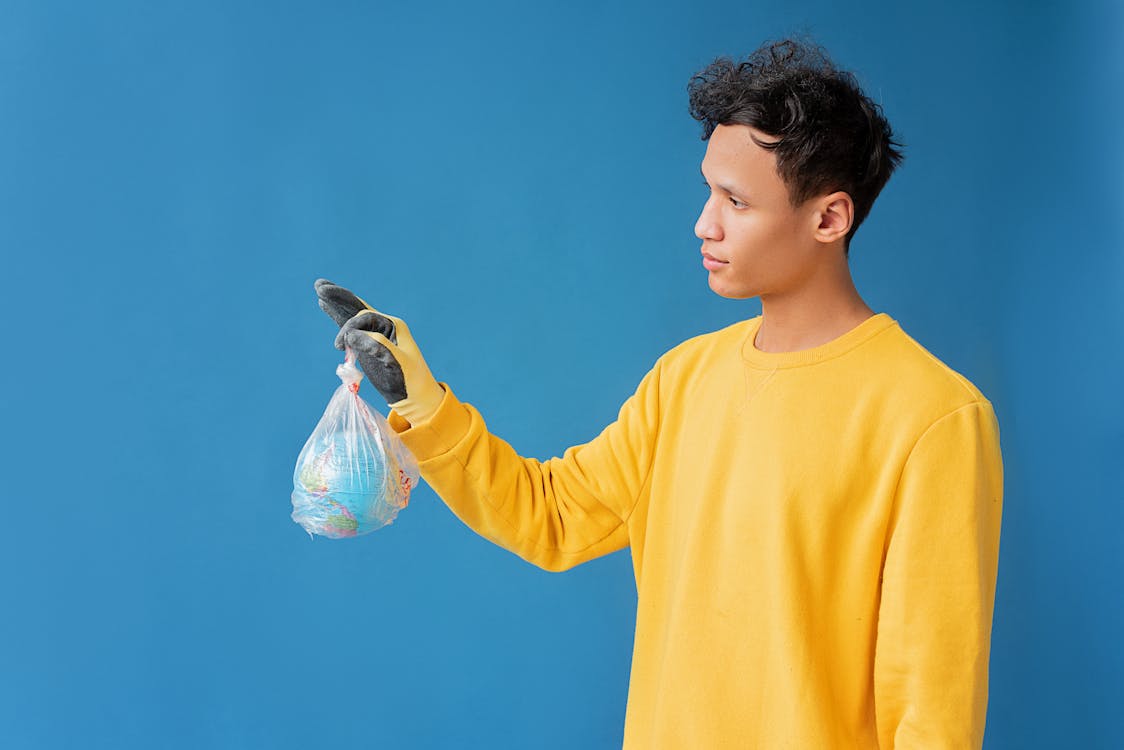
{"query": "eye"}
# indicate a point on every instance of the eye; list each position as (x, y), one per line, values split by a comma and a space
(737, 203)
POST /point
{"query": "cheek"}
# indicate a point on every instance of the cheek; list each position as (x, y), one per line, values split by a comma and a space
(751, 233)
(779, 230)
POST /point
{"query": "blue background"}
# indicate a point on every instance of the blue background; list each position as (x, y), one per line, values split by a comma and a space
(520, 184)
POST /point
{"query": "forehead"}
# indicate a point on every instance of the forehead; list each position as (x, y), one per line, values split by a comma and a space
(732, 155)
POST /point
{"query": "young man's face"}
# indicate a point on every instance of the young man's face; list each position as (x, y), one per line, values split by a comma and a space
(766, 245)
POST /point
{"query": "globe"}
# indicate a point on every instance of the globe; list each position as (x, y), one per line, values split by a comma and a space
(340, 486)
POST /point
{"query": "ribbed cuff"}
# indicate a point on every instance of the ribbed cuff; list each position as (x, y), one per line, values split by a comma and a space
(437, 434)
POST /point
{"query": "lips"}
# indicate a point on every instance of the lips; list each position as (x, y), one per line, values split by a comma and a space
(708, 256)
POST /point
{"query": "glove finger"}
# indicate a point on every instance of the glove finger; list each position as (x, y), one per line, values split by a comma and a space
(402, 335)
(373, 353)
(367, 320)
(340, 304)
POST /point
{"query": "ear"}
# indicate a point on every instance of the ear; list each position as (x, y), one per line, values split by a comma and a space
(834, 215)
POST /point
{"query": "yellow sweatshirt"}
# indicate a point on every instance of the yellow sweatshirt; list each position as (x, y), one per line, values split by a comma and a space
(814, 534)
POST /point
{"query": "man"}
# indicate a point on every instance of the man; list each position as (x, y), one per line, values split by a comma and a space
(812, 500)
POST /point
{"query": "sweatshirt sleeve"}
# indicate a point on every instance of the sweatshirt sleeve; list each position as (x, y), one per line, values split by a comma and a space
(938, 586)
(557, 513)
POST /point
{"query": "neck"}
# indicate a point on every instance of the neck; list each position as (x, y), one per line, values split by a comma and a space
(818, 311)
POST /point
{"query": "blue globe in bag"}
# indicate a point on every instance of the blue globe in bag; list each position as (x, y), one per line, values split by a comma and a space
(339, 489)
(352, 475)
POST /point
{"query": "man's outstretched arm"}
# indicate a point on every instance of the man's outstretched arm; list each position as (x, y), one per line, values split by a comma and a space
(556, 513)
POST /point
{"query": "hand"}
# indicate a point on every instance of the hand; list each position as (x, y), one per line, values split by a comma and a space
(385, 351)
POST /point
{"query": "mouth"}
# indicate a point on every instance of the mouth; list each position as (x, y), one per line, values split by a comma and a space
(708, 256)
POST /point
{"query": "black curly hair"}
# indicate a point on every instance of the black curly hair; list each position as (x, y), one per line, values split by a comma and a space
(831, 135)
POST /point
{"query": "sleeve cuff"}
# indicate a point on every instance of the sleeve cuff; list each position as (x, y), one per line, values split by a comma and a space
(439, 433)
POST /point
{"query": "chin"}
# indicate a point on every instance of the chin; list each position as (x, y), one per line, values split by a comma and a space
(731, 292)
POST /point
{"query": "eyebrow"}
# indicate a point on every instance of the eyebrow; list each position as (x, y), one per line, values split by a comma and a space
(726, 188)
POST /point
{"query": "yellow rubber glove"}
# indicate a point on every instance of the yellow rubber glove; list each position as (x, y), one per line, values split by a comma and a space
(385, 351)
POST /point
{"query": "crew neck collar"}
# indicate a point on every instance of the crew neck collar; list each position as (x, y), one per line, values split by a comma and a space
(778, 360)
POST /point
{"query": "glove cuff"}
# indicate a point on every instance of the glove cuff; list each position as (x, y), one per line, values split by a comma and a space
(418, 407)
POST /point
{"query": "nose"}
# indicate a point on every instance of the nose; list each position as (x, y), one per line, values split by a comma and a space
(707, 226)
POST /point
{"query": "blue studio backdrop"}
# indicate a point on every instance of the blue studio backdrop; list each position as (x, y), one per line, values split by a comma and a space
(520, 183)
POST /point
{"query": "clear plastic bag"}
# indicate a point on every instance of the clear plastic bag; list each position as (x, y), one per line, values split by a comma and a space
(353, 474)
